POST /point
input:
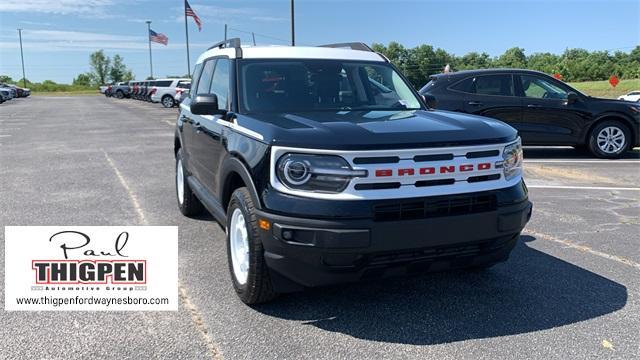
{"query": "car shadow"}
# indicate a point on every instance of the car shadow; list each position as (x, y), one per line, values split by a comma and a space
(567, 152)
(532, 291)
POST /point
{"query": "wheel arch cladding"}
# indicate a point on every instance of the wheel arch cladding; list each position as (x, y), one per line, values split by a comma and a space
(234, 175)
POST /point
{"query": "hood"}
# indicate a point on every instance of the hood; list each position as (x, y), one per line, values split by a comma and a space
(377, 129)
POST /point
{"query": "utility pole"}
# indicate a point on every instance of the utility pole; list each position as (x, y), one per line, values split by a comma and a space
(253, 35)
(24, 78)
(293, 26)
(225, 32)
(186, 33)
(149, 39)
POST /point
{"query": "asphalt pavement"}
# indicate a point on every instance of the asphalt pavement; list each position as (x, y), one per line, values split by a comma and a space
(571, 288)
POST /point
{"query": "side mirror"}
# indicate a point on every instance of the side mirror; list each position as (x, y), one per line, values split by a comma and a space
(572, 98)
(430, 100)
(206, 105)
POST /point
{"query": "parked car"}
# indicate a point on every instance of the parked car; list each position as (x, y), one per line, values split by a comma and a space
(545, 111)
(13, 93)
(632, 96)
(321, 177)
(103, 89)
(5, 95)
(164, 91)
(121, 90)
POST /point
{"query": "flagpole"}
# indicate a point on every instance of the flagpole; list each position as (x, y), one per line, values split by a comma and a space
(149, 38)
(186, 33)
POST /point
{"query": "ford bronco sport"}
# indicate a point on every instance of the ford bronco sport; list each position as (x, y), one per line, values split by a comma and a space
(324, 165)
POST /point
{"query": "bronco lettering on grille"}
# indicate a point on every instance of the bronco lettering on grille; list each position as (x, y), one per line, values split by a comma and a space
(433, 170)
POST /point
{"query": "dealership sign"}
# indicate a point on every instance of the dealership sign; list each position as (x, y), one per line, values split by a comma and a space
(91, 268)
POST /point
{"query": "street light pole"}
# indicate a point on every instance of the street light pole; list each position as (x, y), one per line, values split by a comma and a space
(149, 39)
(24, 78)
(293, 26)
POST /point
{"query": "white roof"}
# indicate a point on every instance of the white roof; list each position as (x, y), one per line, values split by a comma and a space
(293, 52)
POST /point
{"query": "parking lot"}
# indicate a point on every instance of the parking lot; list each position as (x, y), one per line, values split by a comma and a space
(570, 289)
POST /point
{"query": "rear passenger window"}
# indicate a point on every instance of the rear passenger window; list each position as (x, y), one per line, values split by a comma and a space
(164, 83)
(464, 85)
(501, 85)
(205, 78)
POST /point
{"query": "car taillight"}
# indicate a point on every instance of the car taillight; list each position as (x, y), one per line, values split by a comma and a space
(153, 91)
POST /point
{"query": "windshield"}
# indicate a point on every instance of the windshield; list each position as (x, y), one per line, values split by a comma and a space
(322, 85)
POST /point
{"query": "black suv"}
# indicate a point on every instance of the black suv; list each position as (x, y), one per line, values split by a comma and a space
(545, 111)
(323, 165)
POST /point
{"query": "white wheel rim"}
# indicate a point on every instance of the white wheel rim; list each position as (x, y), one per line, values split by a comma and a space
(611, 140)
(180, 182)
(239, 247)
(167, 102)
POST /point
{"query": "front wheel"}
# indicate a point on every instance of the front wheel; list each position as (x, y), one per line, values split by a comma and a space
(188, 203)
(245, 254)
(609, 139)
(167, 101)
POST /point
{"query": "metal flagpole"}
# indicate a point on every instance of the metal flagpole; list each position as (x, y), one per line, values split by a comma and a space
(186, 33)
(149, 38)
(225, 32)
(293, 27)
(24, 78)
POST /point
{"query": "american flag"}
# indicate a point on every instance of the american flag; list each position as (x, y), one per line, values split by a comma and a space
(188, 11)
(158, 37)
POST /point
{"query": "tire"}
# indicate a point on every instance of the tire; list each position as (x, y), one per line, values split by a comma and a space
(245, 251)
(188, 203)
(119, 94)
(609, 139)
(167, 101)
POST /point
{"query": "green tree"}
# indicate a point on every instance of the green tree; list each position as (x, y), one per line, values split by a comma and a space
(100, 67)
(6, 79)
(513, 58)
(119, 71)
(83, 80)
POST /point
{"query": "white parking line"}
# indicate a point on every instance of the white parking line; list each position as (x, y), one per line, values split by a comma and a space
(5, 135)
(584, 161)
(583, 187)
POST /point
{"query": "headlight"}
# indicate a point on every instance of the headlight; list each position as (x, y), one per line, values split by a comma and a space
(319, 173)
(512, 163)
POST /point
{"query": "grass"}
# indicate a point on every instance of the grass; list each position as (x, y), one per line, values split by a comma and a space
(605, 90)
(67, 93)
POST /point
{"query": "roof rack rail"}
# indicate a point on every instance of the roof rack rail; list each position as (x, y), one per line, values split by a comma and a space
(229, 43)
(355, 46)
(350, 45)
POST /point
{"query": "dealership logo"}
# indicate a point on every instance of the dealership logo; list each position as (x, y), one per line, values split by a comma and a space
(117, 269)
(89, 268)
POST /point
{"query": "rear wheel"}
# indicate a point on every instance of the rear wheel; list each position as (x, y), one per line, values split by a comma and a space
(609, 139)
(167, 101)
(119, 94)
(247, 266)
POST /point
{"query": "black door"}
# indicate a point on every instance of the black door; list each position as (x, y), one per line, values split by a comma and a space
(208, 135)
(493, 96)
(191, 122)
(547, 117)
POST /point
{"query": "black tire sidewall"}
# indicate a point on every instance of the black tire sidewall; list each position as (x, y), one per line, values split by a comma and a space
(593, 139)
(239, 202)
(190, 204)
(167, 97)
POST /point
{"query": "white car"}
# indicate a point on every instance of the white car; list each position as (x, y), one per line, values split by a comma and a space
(632, 96)
(164, 91)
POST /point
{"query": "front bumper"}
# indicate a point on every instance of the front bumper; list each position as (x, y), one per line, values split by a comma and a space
(310, 252)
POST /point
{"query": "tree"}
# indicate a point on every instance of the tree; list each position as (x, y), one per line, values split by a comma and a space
(6, 79)
(119, 71)
(100, 66)
(513, 58)
(83, 80)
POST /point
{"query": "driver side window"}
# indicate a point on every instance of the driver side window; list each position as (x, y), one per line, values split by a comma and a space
(535, 87)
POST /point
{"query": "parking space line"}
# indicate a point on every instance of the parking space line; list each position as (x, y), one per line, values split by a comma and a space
(5, 135)
(582, 248)
(583, 187)
(132, 196)
(184, 296)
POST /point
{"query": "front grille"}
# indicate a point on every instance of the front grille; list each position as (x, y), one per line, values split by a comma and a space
(414, 209)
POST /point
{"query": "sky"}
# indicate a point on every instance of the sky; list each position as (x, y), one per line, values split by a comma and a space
(59, 35)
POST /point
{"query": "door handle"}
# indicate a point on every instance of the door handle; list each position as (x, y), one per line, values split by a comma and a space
(533, 106)
(474, 103)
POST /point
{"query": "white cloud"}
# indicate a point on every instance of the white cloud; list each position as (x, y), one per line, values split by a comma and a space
(63, 7)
